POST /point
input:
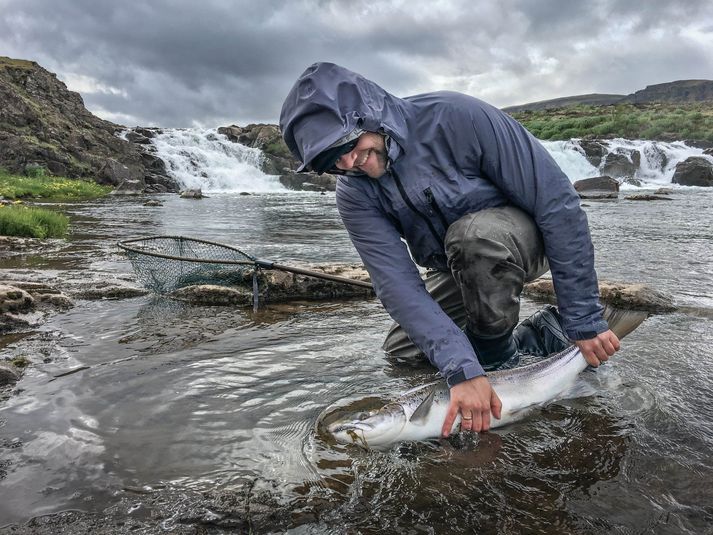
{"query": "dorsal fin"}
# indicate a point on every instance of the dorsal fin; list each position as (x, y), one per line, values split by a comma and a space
(420, 415)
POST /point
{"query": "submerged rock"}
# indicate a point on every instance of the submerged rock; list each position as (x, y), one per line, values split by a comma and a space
(646, 197)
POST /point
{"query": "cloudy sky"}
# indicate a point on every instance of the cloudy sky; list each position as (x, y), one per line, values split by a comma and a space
(215, 62)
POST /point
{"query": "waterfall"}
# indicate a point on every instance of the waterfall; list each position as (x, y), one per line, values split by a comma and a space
(654, 161)
(203, 158)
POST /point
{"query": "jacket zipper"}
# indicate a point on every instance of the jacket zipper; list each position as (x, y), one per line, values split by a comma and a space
(408, 202)
(432, 202)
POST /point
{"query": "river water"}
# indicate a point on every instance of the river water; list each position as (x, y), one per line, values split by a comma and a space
(197, 399)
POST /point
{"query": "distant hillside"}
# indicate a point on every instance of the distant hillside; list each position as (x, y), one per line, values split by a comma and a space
(592, 99)
(678, 92)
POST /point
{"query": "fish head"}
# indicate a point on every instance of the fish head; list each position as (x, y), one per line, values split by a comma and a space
(370, 427)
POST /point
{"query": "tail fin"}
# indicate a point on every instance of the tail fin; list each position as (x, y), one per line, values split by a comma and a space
(621, 321)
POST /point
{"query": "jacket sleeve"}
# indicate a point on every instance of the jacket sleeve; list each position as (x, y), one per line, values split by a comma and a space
(530, 178)
(400, 288)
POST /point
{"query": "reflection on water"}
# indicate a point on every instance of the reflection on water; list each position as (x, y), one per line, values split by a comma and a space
(204, 398)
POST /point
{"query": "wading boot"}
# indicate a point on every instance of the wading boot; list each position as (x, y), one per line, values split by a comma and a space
(542, 334)
(539, 335)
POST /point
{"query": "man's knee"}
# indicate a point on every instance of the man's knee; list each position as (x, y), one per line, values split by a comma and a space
(495, 237)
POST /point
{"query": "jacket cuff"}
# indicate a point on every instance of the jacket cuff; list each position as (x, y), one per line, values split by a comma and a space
(589, 332)
(464, 374)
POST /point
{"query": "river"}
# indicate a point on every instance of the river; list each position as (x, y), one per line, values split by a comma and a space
(181, 402)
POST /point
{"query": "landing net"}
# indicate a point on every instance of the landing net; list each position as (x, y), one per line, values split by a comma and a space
(165, 263)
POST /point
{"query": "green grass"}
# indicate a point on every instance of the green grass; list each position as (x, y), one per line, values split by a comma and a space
(32, 222)
(658, 121)
(50, 188)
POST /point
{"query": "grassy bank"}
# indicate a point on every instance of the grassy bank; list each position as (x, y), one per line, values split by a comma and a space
(49, 188)
(659, 121)
(32, 222)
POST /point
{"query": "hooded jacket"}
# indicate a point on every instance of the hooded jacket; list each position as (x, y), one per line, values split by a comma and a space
(449, 155)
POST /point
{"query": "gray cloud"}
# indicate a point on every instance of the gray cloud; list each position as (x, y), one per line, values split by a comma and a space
(218, 61)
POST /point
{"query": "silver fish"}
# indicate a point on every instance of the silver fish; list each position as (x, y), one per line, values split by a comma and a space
(419, 413)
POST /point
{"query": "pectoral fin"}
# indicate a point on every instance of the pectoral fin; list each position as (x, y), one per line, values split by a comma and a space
(420, 415)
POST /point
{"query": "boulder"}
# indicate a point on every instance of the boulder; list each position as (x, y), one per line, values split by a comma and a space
(663, 191)
(598, 187)
(9, 374)
(192, 194)
(708, 152)
(619, 295)
(694, 171)
(621, 165)
(14, 299)
(594, 151)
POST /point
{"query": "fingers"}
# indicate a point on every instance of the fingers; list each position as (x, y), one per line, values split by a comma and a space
(496, 405)
(450, 418)
(598, 349)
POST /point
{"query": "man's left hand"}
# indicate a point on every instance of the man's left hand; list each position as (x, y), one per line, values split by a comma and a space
(598, 349)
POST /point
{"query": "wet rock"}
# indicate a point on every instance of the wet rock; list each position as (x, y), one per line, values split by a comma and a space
(153, 202)
(9, 374)
(108, 291)
(192, 194)
(646, 197)
(694, 171)
(594, 151)
(619, 295)
(663, 191)
(14, 299)
(275, 286)
(213, 295)
(55, 301)
(622, 165)
(599, 187)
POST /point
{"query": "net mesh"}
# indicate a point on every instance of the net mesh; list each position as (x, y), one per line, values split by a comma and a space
(165, 263)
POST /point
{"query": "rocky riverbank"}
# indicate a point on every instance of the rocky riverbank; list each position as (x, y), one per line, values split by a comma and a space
(45, 126)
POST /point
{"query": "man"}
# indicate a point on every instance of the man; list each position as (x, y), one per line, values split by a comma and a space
(478, 200)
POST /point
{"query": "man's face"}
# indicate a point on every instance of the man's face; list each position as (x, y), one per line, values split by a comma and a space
(368, 156)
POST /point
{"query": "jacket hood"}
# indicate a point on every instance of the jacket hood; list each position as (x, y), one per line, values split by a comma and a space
(328, 101)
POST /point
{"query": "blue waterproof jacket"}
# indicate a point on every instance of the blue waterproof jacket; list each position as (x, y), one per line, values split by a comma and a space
(450, 154)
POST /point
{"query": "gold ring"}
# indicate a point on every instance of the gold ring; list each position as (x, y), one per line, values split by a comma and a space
(468, 419)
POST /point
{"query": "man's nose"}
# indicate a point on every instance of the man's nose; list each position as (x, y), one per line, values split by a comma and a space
(346, 161)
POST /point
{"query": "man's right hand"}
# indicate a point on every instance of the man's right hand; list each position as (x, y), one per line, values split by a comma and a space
(474, 400)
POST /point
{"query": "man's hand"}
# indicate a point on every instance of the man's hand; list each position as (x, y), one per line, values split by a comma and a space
(473, 399)
(598, 349)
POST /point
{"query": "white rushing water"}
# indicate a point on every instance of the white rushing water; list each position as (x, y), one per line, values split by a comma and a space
(657, 160)
(202, 158)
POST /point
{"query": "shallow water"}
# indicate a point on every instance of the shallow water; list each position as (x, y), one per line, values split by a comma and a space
(201, 398)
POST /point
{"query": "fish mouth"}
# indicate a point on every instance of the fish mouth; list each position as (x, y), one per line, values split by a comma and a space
(361, 421)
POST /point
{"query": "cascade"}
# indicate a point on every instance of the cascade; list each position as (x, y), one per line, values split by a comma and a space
(202, 158)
